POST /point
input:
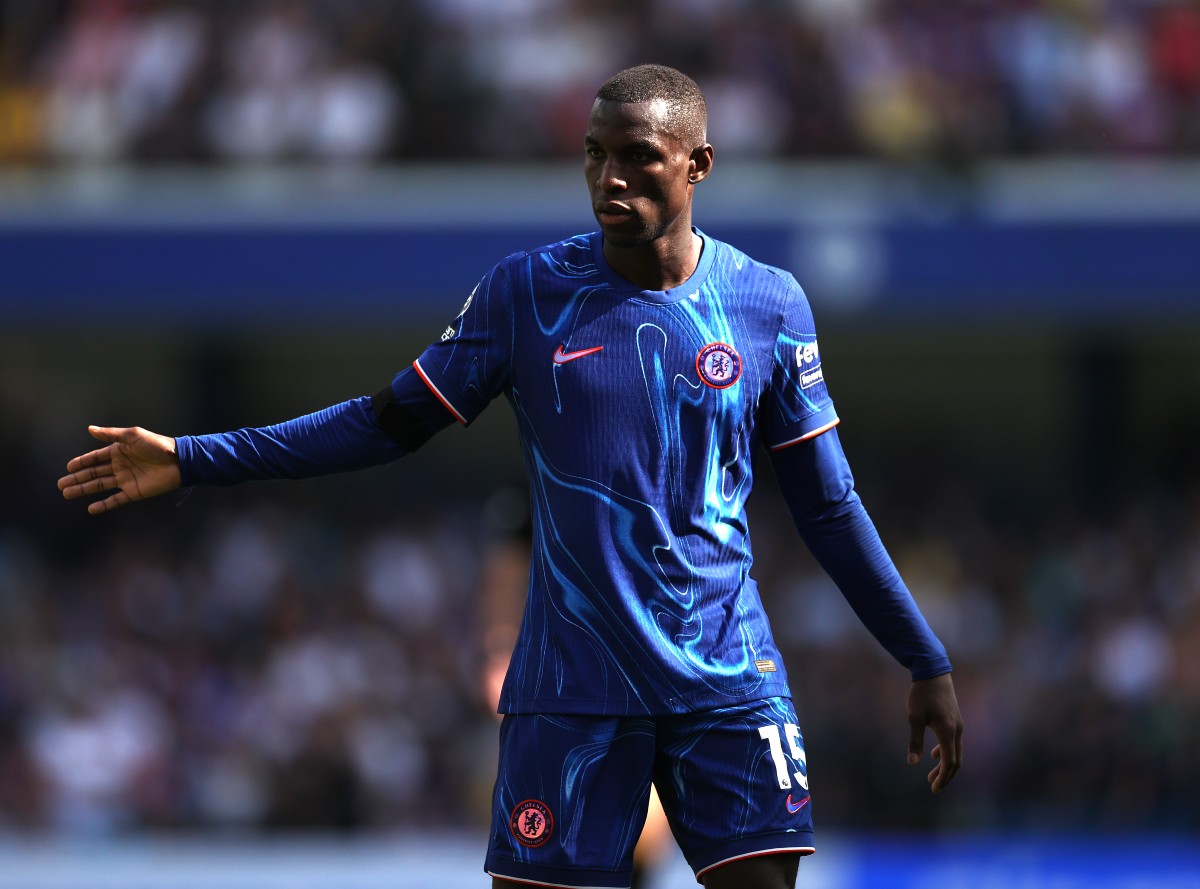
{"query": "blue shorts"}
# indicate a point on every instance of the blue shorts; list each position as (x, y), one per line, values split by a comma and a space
(572, 791)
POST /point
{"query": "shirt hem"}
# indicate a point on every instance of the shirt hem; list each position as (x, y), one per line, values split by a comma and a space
(593, 707)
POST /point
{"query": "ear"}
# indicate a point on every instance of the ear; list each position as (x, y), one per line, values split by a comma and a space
(700, 163)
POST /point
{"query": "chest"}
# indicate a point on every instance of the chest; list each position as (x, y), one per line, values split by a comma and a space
(605, 358)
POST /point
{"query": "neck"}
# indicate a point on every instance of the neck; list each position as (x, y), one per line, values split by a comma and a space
(659, 265)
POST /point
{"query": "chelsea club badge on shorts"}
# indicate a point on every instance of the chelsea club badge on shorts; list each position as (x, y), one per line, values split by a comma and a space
(719, 365)
(531, 823)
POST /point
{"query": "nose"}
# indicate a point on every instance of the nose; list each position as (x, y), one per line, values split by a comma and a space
(609, 179)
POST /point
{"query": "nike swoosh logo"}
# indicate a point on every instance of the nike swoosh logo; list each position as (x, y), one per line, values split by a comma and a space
(793, 808)
(561, 357)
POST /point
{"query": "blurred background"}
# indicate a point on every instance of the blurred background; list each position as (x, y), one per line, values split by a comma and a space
(216, 214)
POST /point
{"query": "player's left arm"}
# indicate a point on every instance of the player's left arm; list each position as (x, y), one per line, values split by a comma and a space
(818, 488)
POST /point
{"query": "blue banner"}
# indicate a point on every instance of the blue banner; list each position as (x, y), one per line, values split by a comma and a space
(218, 274)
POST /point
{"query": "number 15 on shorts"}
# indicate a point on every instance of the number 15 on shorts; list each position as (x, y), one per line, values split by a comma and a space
(770, 734)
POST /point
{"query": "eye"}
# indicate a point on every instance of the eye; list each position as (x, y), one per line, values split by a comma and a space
(592, 151)
(644, 154)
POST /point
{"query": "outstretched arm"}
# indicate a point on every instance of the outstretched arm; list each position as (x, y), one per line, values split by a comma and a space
(136, 464)
(355, 434)
(819, 490)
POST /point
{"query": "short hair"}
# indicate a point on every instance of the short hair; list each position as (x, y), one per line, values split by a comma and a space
(687, 111)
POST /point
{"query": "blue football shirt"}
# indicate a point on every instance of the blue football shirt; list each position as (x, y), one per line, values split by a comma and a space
(639, 414)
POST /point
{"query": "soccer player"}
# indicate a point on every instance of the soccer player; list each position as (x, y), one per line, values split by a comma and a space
(645, 363)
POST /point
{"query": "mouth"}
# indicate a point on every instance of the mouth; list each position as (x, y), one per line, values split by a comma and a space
(613, 212)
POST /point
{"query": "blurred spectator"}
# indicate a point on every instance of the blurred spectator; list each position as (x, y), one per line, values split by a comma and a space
(288, 93)
(256, 667)
(354, 113)
(101, 81)
(262, 668)
(85, 66)
(1175, 58)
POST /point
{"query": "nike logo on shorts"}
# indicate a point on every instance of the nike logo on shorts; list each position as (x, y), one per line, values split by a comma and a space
(561, 357)
(793, 808)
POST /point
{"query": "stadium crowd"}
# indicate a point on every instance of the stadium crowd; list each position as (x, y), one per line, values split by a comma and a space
(365, 81)
(275, 659)
(279, 656)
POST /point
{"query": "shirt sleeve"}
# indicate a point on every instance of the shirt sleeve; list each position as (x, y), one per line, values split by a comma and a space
(819, 491)
(799, 406)
(337, 439)
(471, 363)
(460, 373)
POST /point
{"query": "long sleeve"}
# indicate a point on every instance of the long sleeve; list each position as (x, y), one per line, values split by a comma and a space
(819, 490)
(337, 439)
(355, 434)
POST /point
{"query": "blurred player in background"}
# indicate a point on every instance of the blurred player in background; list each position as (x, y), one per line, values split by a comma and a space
(645, 364)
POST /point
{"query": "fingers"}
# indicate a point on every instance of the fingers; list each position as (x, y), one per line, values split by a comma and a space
(120, 498)
(112, 433)
(97, 482)
(76, 487)
(948, 753)
(82, 470)
(91, 458)
(916, 741)
(93, 473)
(935, 774)
(89, 473)
(115, 434)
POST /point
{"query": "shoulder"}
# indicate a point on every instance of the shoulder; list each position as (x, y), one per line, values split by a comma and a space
(769, 294)
(574, 248)
(549, 267)
(770, 289)
(736, 263)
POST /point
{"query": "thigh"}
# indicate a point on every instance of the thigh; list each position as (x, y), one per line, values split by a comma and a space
(570, 799)
(776, 871)
(734, 784)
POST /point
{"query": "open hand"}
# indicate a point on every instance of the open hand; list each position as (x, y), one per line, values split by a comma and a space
(137, 464)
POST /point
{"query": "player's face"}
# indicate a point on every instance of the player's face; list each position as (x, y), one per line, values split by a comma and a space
(640, 174)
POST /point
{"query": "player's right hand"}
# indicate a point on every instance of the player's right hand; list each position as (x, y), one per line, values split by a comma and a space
(135, 465)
